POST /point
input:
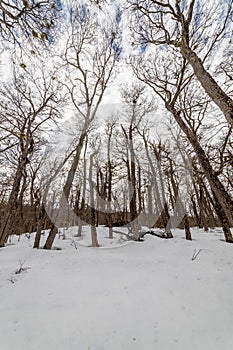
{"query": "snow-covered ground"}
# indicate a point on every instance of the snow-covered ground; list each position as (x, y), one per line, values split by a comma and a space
(124, 295)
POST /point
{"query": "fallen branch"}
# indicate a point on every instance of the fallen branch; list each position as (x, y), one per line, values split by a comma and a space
(153, 233)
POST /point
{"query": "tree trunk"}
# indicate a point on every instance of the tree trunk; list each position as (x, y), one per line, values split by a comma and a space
(109, 213)
(165, 213)
(73, 168)
(179, 207)
(149, 196)
(39, 227)
(188, 235)
(223, 198)
(132, 184)
(109, 182)
(220, 98)
(210, 207)
(51, 237)
(194, 206)
(162, 207)
(224, 220)
(94, 239)
(202, 209)
(98, 197)
(139, 190)
(82, 209)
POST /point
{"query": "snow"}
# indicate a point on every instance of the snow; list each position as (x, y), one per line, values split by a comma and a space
(124, 295)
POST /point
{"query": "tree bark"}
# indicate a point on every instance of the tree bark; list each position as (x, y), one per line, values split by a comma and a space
(109, 213)
(94, 239)
(132, 184)
(82, 209)
(39, 227)
(219, 97)
(74, 165)
(51, 237)
(188, 235)
(194, 207)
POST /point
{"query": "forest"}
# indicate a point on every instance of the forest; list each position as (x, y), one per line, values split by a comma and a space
(115, 113)
(116, 174)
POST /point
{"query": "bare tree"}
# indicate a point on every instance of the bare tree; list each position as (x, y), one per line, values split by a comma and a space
(29, 18)
(27, 105)
(89, 60)
(185, 25)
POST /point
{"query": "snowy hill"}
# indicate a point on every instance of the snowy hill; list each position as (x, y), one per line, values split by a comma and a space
(157, 294)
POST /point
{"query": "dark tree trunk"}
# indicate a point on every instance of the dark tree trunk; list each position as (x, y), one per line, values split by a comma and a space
(194, 206)
(82, 209)
(39, 227)
(188, 235)
(224, 220)
(139, 190)
(73, 168)
(51, 237)
(109, 214)
(92, 205)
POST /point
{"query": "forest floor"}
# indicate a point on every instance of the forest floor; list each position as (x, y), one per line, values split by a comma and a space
(153, 295)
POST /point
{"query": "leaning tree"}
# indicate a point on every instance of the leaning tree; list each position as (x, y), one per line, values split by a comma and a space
(198, 32)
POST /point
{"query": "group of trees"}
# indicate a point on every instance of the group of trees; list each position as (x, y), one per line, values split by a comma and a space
(108, 167)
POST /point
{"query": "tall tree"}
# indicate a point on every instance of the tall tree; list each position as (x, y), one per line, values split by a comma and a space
(89, 59)
(186, 25)
(27, 105)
